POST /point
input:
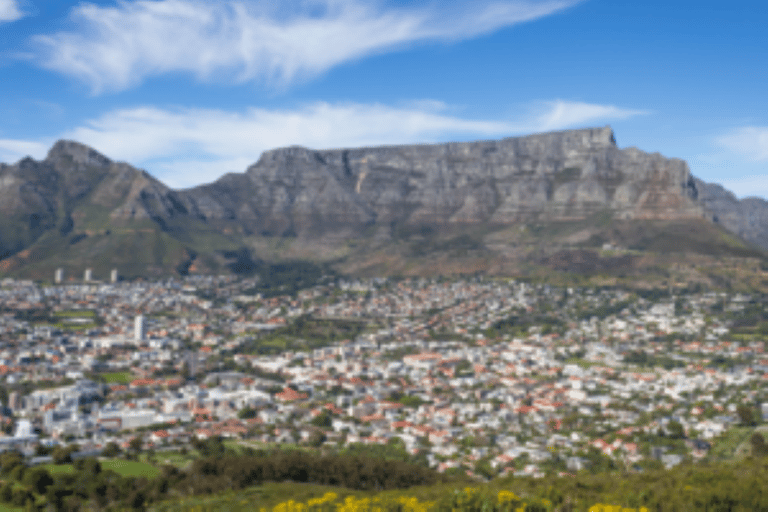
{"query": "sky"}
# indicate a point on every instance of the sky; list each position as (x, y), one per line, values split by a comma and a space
(192, 89)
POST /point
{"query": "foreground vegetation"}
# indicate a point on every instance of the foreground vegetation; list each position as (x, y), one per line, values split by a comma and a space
(297, 481)
(731, 487)
(89, 484)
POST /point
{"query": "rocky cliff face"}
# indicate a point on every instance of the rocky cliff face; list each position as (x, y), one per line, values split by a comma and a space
(560, 175)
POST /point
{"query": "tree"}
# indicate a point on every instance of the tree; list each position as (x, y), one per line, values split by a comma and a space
(211, 447)
(759, 448)
(9, 460)
(746, 415)
(111, 450)
(322, 420)
(38, 479)
(317, 438)
(247, 413)
(62, 454)
(135, 445)
(676, 430)
(90, 466)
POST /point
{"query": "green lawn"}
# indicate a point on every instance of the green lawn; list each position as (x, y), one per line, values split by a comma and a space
(119, 466)
(131, 468)
(117, 377)
(75, 314)
(176, 458)
(59, 469)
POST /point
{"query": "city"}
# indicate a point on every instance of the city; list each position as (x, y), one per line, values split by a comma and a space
(476, 375)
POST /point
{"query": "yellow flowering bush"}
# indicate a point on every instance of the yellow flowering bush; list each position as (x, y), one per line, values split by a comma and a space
(614, 508)
(328, 503)
(469, 499)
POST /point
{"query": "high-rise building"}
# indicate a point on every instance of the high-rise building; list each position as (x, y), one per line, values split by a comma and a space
(139, 328)
(114, 276)
(88, 275)
(58, 276)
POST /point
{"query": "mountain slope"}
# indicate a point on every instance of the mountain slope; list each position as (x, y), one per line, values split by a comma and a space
(76, 208)
(555, 201)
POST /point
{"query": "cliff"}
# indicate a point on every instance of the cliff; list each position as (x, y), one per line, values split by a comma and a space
(560, 175)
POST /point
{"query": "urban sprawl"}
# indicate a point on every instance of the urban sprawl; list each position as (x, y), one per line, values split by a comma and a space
(478, 375)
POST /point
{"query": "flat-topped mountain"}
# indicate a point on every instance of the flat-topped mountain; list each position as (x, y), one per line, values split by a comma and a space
(559, 175)
(523, 199)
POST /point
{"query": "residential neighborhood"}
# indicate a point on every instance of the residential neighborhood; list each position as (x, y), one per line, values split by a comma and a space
(478, 375)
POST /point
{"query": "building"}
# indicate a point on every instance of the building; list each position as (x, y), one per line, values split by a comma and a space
(58, 276)
(139, 328)
(88, 275)
(114, 276)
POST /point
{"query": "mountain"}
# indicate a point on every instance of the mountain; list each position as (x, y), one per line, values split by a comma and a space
(77, 208)
(568, 201)
(552, 176)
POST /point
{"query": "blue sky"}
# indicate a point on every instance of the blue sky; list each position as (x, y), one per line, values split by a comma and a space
(191, 89)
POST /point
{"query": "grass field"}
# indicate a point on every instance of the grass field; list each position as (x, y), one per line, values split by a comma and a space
(59, 469)
(117, 377)
(119, 466)
(176, 458)
(131, 468)
(76, 313)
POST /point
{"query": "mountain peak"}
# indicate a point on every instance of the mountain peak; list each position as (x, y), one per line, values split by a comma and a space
(77, 152)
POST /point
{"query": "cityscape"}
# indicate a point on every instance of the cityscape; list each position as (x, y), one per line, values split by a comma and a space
(478, 376)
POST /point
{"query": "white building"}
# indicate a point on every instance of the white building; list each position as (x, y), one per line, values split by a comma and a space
(139, 328)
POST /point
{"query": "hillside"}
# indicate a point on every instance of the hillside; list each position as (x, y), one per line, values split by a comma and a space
(562, 202)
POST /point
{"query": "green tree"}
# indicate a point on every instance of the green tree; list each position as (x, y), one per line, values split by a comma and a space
(746, 415)
(323, 420)
(9, 461)
(111, 450)
(38, 479)
(759, 448)
(676, 430)
(247, 413)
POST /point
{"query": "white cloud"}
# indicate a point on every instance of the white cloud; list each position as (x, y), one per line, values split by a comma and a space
(561, 114)
(750, 142)
(118, 47)
(755, 185)
(186, 147)
(10, 11)
(14, 150)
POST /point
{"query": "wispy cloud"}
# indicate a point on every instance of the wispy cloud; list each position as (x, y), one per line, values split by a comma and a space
(10, 11)
(186, 147)
(114, 48)
(562, 114)
(750, 142)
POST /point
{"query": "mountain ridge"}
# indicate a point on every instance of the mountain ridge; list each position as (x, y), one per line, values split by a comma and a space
(77, 196)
